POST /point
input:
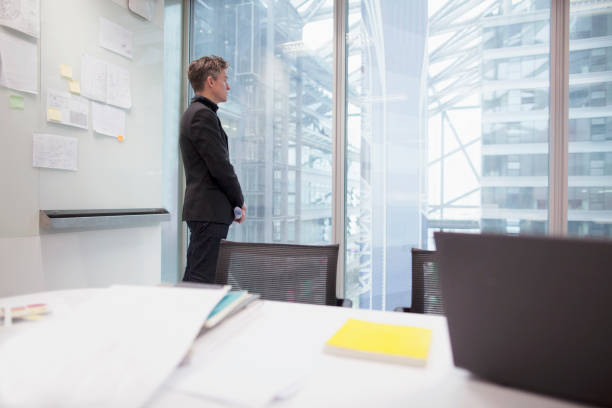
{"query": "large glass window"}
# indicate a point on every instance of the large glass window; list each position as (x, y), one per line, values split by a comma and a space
(590, 120)
(278, 115)
(447, 123)
(450, 133)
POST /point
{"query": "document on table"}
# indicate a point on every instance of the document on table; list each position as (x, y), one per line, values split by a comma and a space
(54, 151)
(21, 15)
(107, 120)
(18, 63)
(67, 109)
(114, 351)
(115, 38)
(248, 361)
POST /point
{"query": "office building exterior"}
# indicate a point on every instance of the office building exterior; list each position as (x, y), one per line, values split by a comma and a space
(504, 70)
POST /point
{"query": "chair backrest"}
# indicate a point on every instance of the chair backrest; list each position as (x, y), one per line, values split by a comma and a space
(294, 273)
(426, 292)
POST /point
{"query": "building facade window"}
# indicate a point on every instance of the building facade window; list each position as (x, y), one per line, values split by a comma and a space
(590, 120)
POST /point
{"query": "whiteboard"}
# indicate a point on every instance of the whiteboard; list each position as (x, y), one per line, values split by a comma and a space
(111, 174)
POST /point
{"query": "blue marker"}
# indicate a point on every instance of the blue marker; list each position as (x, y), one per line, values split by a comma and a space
(237, 213)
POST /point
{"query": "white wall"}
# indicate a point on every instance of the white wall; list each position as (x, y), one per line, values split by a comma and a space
(111, 175)
(80, 260)
(20, 266)
(101, 258)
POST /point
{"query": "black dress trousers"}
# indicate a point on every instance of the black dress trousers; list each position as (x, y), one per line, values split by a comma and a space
(203, 250)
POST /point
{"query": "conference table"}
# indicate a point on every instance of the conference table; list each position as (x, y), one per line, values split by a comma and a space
(273, 354)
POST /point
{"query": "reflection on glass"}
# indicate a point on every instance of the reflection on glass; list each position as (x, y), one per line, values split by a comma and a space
(385, 124)
(590, 120)
(447, 129)
(278, 114)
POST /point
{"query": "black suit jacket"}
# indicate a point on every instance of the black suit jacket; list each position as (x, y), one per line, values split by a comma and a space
(212, 190)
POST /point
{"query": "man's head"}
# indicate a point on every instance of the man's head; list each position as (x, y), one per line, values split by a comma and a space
(208, 78)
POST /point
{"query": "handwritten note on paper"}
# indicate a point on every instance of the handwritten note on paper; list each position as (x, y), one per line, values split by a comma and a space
(93, 78)
(54, 152)
(105, 82)
(21, 15)
(118, 87)
(107, 120)
(74, 109)
(18, 63)
(115, 38)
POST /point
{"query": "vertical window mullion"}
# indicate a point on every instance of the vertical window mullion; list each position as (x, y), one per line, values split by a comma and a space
(339, 144)
(558, 137)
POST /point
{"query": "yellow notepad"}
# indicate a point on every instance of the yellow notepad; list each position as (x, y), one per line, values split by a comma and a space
(381, 341)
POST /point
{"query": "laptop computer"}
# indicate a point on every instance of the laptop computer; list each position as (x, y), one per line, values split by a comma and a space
(530, 312)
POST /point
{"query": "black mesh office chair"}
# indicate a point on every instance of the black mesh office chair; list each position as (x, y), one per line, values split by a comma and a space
(426, 292)
(294, 273)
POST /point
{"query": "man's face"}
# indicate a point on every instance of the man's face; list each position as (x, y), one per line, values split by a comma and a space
(220, 87)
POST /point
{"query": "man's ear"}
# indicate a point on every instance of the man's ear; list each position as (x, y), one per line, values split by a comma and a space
(209, 81)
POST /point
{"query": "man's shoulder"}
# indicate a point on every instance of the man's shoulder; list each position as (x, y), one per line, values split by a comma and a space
(196, 112)
(198, 108)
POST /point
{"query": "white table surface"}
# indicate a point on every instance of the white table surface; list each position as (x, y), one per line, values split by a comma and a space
(330, 380)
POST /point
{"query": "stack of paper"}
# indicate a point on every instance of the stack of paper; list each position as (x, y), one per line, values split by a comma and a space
(114, 351)
(231, 303)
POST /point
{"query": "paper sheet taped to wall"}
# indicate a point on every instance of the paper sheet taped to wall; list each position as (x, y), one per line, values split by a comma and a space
(107, 120)
(105, 82)
(74, 109)
(54, 151)
(118, 86)
(18, 63)
(93, 78)
(143, 8)
(115, 38)
(21, 15)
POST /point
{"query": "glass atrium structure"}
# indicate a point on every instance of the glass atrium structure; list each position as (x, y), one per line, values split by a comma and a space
(447, 123)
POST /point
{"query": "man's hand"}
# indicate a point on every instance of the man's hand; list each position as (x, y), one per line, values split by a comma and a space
(241, 220)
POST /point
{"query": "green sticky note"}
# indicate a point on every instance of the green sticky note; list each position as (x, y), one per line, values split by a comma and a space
(16, 102)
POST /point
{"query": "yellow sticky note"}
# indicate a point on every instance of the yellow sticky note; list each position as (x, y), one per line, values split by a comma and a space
(74, 86)
(54, 114)
(66, 71)
(120, 138)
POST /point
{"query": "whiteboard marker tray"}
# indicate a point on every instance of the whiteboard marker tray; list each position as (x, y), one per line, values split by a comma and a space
(63, 220)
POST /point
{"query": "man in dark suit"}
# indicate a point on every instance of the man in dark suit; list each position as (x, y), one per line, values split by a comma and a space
(212, 190)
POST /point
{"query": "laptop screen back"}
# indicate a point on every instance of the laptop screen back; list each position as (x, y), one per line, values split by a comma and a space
(531, 312)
